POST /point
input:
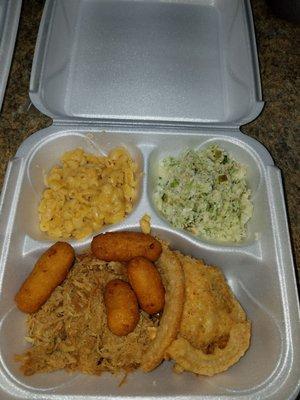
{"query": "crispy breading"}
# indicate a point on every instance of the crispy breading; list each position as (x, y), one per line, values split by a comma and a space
(125, 245)
(49, 271)
(189, 358)
(122, 311)
(147, 284)
(173, 280)
(214, 331)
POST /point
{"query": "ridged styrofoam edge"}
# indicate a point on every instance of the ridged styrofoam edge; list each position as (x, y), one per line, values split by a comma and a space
(8, 31)
(284, 380)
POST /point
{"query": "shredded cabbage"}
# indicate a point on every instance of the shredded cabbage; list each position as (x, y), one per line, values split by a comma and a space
(205, 192)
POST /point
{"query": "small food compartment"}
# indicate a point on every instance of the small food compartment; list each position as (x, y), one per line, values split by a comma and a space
(155, 78)
(183, 185)
(47, 155)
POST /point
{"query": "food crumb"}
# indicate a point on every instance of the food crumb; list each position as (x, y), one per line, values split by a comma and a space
(123, 380)
(145, 224)
(28, 339)
(257, 236)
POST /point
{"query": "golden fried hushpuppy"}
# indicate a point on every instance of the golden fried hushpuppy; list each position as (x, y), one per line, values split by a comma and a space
(147, 284)
(49, 271)
(123, 246)
(121, 307)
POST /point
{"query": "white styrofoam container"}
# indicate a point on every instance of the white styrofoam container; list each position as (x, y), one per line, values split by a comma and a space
(155, 77)
(9, 22)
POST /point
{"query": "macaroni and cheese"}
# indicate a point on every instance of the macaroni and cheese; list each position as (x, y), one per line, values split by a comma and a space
(87, 192)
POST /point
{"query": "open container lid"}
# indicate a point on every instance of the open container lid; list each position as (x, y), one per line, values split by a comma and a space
(9, 22)
(155, 61)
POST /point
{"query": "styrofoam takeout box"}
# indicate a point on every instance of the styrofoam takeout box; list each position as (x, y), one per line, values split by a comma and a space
(9, 22)
(155, 77)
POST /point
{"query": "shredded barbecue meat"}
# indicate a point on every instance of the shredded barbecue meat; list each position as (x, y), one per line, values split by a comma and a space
(70, 330)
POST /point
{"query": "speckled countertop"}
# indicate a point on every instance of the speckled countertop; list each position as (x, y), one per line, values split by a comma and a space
(276, 127)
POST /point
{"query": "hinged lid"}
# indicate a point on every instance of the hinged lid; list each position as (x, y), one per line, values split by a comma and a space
(157, 61)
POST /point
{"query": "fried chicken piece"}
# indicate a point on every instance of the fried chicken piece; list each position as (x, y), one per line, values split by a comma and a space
(214, 332)
(171, 272)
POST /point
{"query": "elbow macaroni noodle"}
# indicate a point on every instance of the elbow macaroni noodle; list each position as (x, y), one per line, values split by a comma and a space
(87, 192)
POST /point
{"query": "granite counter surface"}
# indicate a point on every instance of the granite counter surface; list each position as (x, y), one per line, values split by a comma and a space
(276, 127)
